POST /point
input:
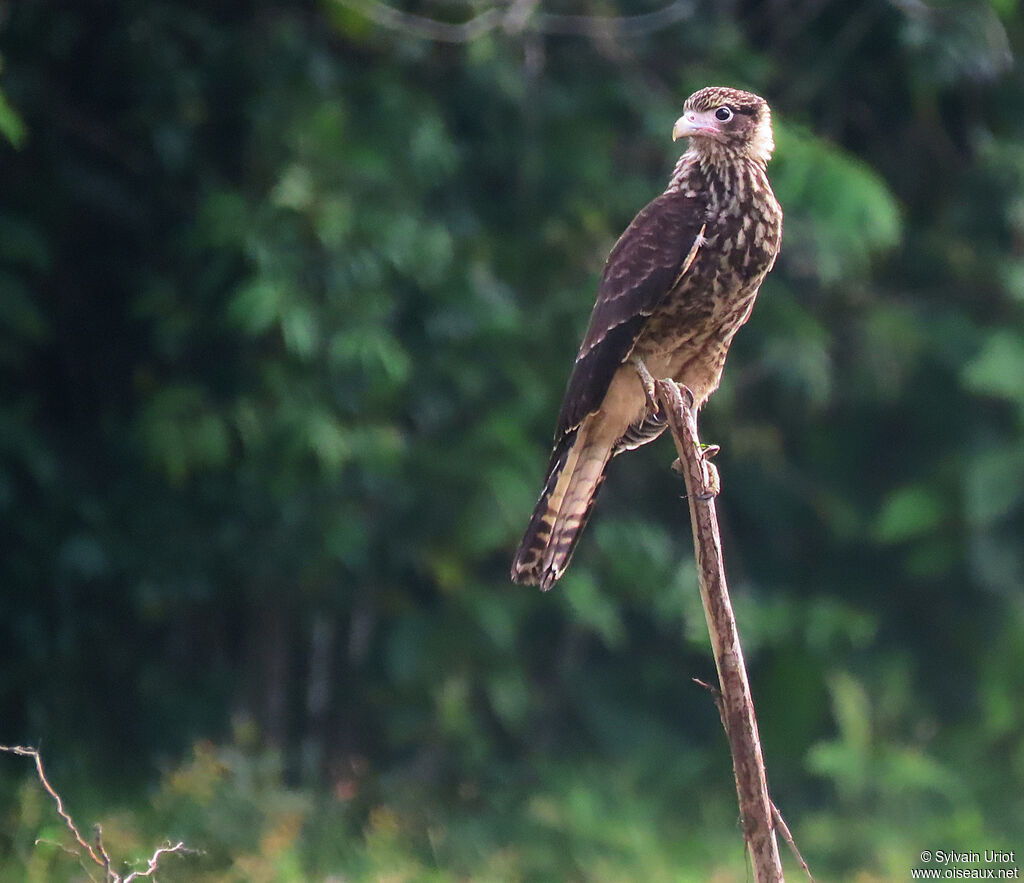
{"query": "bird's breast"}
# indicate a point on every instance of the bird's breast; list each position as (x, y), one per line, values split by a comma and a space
(714, 298)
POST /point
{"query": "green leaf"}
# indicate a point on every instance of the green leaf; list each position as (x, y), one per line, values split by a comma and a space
(908, 513)
(12, 127)
(839, 212)
(994, 483)
(592, 608)
(258, 304)
(181, 433)
(998, 370)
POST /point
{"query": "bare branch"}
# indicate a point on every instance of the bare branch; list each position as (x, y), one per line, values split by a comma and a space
(22, 751)
(518, 16)
(599, 26)
(787, 835)
(98, 832)
(98, 855)
(426, 28)
(522, 16)
(178, 847)
(780, 822)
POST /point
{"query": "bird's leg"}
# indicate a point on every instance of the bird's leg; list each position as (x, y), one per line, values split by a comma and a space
(647, 382)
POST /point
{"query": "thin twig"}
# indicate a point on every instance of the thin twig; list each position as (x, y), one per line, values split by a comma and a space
(787, 835)
(736, 705)
(178, 847)
(98, 832)
(521, 16)
(22, 751)
(605, 26)
(98, 855)
(424, 27)
(780, 822)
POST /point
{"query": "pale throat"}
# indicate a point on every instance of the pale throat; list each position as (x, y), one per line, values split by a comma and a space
(723, 161)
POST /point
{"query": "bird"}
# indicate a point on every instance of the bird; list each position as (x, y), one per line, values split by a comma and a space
(675, 289)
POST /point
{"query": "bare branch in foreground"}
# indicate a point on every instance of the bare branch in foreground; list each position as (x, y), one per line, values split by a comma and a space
(736, 706)
(99, 854)
(154, 860)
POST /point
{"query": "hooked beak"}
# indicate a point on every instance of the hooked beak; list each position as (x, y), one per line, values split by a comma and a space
(694, 123)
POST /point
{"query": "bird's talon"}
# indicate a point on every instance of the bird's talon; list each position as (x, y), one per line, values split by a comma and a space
(653, 405)
(713, 484)
(709, 451)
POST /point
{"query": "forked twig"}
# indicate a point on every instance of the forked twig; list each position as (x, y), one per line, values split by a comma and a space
(521, 17)
(22, 751)
(97, 854)
(780, 822)
(154, 860)
(787, 835)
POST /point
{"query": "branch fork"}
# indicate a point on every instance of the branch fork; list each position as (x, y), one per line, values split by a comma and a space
(96, 852)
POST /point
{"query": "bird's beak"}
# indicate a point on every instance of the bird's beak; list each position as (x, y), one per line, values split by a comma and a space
(682, 129)
(693, 123)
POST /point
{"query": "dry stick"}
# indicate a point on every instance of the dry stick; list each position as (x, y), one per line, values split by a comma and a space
(780, 822)
(22, 751)
(787, 835)
(101, 857)
(737, 706)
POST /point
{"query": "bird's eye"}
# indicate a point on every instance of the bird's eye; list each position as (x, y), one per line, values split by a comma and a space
(723, 114)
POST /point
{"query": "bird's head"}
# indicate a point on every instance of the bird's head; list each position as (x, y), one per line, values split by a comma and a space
(722, 120)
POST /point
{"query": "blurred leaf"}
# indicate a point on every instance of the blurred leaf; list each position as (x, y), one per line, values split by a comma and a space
(182, 434)
(12, 127)
(839, 212)
(998, 370)
(258, 304)
(592, 608)
(19, 314)
(908, 513)
(994, 483)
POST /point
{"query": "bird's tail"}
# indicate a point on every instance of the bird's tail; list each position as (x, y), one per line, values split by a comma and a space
(575, 475)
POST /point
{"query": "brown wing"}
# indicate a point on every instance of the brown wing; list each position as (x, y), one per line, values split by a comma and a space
(644, 266)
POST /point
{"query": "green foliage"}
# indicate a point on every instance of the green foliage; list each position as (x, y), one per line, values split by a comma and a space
(843, 213)
(287, 302)
(12, 127)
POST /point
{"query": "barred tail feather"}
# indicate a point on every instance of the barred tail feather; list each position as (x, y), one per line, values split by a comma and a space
(577, 503)
(574, 478)
(530, 554)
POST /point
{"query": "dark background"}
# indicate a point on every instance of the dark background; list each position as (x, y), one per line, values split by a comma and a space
(288, 300)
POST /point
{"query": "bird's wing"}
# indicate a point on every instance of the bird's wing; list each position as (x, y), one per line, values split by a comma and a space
(647, 262)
